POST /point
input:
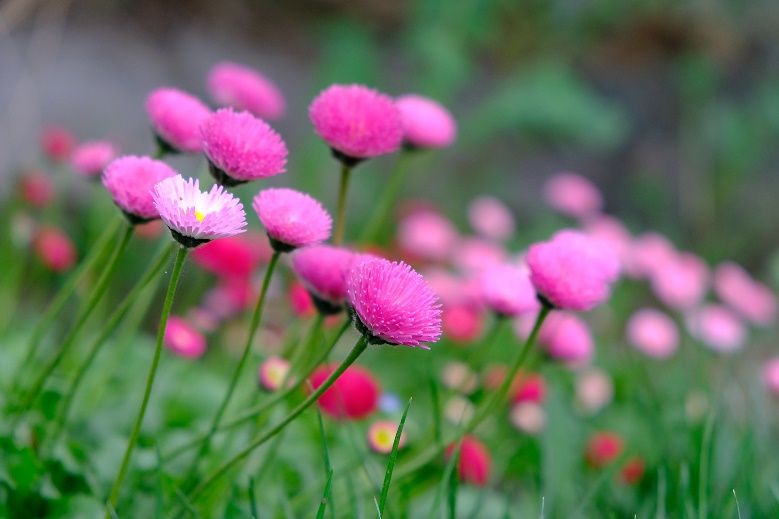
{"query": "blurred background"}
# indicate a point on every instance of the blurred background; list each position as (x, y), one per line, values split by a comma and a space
(670, 107)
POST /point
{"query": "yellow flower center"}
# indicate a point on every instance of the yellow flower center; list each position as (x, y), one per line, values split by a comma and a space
(199, 215)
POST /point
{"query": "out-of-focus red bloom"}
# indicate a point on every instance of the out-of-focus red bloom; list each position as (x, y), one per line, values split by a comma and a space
(474, 463)
(603, 448)
(55, 249)
(36, 189)
(57, 143)
(354, 395)
(300, 300)
(632, 471)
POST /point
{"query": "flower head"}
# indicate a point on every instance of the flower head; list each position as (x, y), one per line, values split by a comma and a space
(427, 235)
(603, 448)
(354, 395)
(36, 189)
(393, 304)
(57, 143)
(291, 218)
(90, 158)
(381, 437)
(234, 258)
(771, 375)
(356, 122)
(567, 338)
(243, 88)
(272, 373)
(474, 463)
(426, 124)
(195, 217)
(718, 328)
(491, 218)
(176, 117)
(130, 180)
(752, 300)
(572, 194)
(506, 290)
(461, 323)
(183, 339)
(239, 147)
(682, 282)
(55, 249)
(653, 332)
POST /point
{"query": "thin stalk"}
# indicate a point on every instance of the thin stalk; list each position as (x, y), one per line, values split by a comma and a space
(174, 278)
(357, 350)
(97, 293)
(255, 323)
(340, 215)
(390, 193)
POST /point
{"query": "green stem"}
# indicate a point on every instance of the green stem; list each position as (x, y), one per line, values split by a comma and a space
(340, 216)
(360, 347)
(98, 250)
(151, 273)
(97, 293)
(390, 193)
(255, 323)
(174, 278)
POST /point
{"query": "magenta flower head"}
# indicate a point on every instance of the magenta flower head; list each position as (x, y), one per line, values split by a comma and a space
(239, 147)
(392, 304)
(291, 218)
(771, 375)
(506, 290)
(426, 124)
(130, 180)
(718, 328)
(195, 217)
(243, 88)
(572, 271)
(573, 195)
(183, 339)
(653, 332)
(356, 122)
(176, 117)
(491, 218)
(752, 300)
(90, 158)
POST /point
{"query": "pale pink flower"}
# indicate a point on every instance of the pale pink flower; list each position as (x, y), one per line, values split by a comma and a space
(244, 88)
(649, 253)
(506, 290)
(130, 180)
(567, 338)
(176, 117)
(54, 249)
(472, 255)
(356, 122)
(653, 333)
(90, 158)
(393, 304)
(323, 270)
(528, 417)
(292, 219)
(752, 300)
(682, 282)
(426, 235)
(572, 271)
(717, 327)
(491, 218)
(426, 124)
(573, 195)
(57, 143)
(381, 437)
(195, 217)
(183, 339)
(458, 376)
(771, 375)
(272, 373)
(594, 390)
(239, 147)
(230, 297)
(611, 233)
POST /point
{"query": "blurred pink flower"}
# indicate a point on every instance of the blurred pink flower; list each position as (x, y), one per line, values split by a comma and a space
(567, 339)
(54, 249)
(426, 235)
(461, 323)
(36, 189)
(176, 117)
(506, 290)
(573, 195)
(771, 375)
(354, 395)
(491, 218)
(130, 180)
(300, 300)
(649, 253)
(235, 257)
(603, 448)
(381, 437)
(530, 388)
(653, 333)
(752, 300)
(594, 389)
(292, 219)
(323, 270)
(717, 327)
(244, 88)
(272, 373)
(183, 339)
(57, 143)
(682, 282)
(473, 255)
(474, 461)
(426, 124)
(90, 158)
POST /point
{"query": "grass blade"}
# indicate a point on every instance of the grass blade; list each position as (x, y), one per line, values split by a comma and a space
(452, 498)
(321, 512)
(326, 452)
(378, 510)
(252, 500)
(703, 472)
(188, 506)
(738, 508)
(448, 472)
(392, 459)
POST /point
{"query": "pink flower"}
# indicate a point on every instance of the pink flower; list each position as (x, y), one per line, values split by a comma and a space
(381, 437)
(771, 375)
(323, 270)
(176, 117)
(603, 448)
(243, 88)
(752, 300)
(649, 253)
(682, 282)
(130, 180)
(183, 339)
(572, 271)
(474, 463)
(272, 373)
(427, 235)
(573, 195)
(461, 323)
(230, 297)
(506, 290)
(393, 304)
(57, 143)
(473, 255)
(717, 327)
(356, 122)
(196, 217)
(36, 189)
(235, 257)
(239, 147)
(594, 390)
(568, 339)
(300, 300)
(291, 218)
(491, 218)
(531, 388)
(426, 124)
(653, 332)
(89, 159)
(354, 395)
(54, 249)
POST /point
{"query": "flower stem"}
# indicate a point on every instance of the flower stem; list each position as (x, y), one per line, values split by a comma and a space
(390, 193)
(97, 293)
(255, 322)
(357, 350)
(174, 278)
(340, 217)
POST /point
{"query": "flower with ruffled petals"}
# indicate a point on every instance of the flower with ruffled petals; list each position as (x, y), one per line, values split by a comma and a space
(354, 395)
(291, 218)
(130, 180)
(55, 249)
(572, 271)
(752, 300)
(323, 270)
(272, 373)
(243, 88)
(718, 328)
(393, 304)
(573, 195)
(195, 217)
(426, 124)
(381, 437)
(356, 122)
(506, 290)
(653, 332)
(491, 218)
(474, 463)
(176, 117)
(90, 158)
(239, 147)
(183, 339)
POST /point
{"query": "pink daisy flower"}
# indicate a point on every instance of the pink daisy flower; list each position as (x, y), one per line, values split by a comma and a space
(771, 375)
(682, 282)
(572, 271)
(718, 328)
(54, 249)
(427, 235)
(381, 437)
(57, 143)
(491, 218)
(272, 373)
(292, 219)
(130, 180)
(653, 332)
(752, 300)
(195, 217)
(461, 323)
(393, 304)
(426, 124)
(354, 395)
(565, 338)
(183, 339)
(90, 158)
(506, 290)
(356, 122)
(176, 117)
(649, 253)
(243, 88)
(239, 147)
(473, 255)
(573, 195)
(474, 463)
(235, 257)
